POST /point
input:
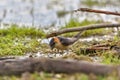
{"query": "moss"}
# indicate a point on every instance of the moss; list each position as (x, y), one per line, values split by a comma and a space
(109, 58)
(95, 32)
(75, 23)
(16, 40)
(91, 3)
(15, 31)
(61, 13)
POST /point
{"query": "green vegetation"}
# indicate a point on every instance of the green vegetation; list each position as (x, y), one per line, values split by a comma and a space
(20, 40)
(16, 40)
(15, 31)
(91, 3)
(110, 58)
(61, 13)
(52, 76)
(75, 23)
(79, 48)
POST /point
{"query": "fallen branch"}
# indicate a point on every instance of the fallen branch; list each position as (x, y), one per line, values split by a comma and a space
(93, 50)
(89, 27)
(17, 67)
(102, 45)
(97, 11)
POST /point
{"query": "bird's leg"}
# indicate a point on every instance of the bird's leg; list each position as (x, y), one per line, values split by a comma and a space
(69, 50)
(61, 51)
(54, 51)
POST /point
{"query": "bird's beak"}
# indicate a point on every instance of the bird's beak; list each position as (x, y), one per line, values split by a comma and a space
(52, 44)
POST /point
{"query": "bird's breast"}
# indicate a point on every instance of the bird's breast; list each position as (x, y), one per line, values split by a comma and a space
(60, 46)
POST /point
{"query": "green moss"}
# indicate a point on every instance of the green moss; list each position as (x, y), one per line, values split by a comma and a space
(19, 40)
(16, 31)
(61, 13)
(91, 3)
(75, 23)
(96, 32)
(110, 58)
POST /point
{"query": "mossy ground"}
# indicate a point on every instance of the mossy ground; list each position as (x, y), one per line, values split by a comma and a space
(21, 40)
(92, 3)
(16, 40)
(75, 23)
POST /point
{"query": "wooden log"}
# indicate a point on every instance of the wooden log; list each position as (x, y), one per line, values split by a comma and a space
(75, 29)
(17, 67)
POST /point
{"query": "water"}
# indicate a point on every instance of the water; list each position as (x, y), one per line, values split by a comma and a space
(44, 13)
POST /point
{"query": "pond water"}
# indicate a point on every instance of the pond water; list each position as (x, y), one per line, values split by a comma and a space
(46, 13)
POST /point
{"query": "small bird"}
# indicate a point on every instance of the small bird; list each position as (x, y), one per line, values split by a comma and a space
(63, 43)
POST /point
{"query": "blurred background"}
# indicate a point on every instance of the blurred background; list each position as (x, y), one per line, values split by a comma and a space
(46, 13)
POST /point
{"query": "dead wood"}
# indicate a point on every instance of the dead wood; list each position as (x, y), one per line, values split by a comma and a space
(102, 45)
(75, 29)
(93, 50)
(17, 67)
(98, 48)
(97, 11)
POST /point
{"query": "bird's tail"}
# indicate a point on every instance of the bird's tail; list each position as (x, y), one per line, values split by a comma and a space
(78, 35)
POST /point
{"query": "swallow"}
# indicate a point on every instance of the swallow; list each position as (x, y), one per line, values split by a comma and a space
(63, 43)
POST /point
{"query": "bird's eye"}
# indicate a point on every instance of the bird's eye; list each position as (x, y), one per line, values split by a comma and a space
(52, 43)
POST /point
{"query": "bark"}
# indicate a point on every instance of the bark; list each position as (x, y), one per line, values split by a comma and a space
(75, 29)
(17, 67)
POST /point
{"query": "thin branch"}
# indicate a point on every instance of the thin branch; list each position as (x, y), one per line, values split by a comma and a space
(75, 29)
(97, 11)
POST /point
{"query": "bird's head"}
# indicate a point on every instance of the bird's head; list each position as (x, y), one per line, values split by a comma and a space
(53, 42)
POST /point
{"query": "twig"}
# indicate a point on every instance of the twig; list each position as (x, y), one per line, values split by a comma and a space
(89, 27)
(97, 11)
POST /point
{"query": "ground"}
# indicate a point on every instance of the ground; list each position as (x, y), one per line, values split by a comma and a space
(20, 41)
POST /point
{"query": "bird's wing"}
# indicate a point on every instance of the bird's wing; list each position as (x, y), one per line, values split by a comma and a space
(67, 41)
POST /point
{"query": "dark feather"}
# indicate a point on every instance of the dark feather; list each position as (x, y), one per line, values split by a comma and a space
(52, 43)
(67, 41)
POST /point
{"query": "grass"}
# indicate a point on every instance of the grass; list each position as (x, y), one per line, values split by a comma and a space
(15, 31)
(75, 23)
(112, 56)
(16, 40)
(91, 3)
(109, 58)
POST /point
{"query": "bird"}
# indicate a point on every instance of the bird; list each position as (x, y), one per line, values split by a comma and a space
(63, 43)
